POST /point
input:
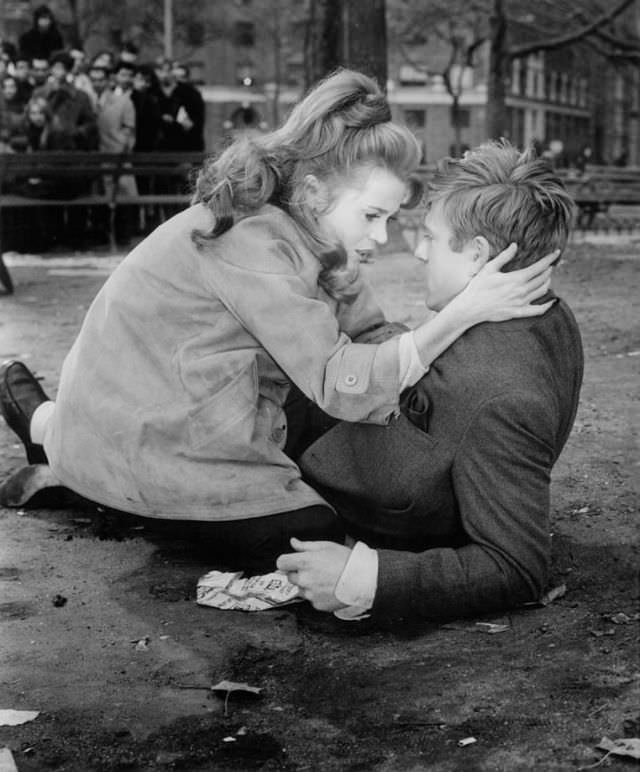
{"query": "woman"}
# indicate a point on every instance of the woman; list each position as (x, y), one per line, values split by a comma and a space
(171, 401)
(33, 131)
(11, 108)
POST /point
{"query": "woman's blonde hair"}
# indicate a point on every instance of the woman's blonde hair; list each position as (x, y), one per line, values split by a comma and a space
(342, 124)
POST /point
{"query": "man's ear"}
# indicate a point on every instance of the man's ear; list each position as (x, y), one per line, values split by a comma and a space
(481, 253)
(316, 193)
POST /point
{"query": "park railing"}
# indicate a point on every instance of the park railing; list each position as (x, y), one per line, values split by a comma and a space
(94, 180)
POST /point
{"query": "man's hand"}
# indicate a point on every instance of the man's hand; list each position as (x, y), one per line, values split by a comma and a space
(315, 568)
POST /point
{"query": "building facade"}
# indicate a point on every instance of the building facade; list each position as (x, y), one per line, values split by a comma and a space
(251, 60)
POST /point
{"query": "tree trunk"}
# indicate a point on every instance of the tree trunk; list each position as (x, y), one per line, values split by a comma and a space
(366, 37)
(75, 38)
(331, 44)
(499, 66)
(312, 71)
(355, 36)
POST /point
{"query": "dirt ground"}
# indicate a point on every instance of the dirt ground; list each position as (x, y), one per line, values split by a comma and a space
(335, 695)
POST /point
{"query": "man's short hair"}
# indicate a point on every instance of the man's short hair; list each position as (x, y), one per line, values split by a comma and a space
(125, 64)
(505, 195)
(101, 68)
(62, 57)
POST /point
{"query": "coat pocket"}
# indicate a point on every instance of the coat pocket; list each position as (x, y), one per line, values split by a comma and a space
(226, 419)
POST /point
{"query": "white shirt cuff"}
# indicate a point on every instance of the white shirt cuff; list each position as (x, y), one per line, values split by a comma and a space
(358, 583)
(411, 368)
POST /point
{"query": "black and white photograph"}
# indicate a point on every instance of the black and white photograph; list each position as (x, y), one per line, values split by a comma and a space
(319, 384)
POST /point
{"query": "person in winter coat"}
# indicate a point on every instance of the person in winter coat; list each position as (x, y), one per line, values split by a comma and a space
(73, 122)
(172, 401)
(43, 39)
(451, 502)
(11, 108)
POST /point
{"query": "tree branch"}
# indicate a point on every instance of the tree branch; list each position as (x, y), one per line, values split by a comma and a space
(562, 40)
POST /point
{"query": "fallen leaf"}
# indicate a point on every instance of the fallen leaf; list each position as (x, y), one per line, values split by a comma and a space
(553, 594)
(600, 633)
(621, 619)
(626, 746)
(491, 628)
(9, 717)
(233, 686)
(142, 644)
(477, 627)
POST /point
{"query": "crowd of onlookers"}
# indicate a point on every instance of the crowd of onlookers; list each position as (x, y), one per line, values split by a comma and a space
(54, 97)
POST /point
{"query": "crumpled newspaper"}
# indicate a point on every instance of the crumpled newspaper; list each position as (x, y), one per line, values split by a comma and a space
(232, 592)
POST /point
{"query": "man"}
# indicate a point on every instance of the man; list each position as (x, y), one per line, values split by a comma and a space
(116, 117)
(73, 125)
(39, 73)
(43, 38)
(123, 75)
(182, 111)
(454, 493)
(116, 114)
(22, 72)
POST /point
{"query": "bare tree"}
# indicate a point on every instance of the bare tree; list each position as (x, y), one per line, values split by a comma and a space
(115, 20)
(551, 26)
(514, 29)
(457, 29)
(354, 34)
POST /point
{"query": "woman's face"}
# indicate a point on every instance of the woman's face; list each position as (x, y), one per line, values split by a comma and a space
(360, 210)
(37, 115)
(9, 88)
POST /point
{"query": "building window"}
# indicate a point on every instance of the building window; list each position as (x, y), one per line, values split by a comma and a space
(515, 76)
(195, 33)
(415, 119)
(245, 34)
(522, 75)
(464, 117)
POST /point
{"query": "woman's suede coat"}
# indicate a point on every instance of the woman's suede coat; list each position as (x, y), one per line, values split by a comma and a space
(170, 402)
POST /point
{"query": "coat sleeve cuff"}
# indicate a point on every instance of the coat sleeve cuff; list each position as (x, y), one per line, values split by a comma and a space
(358, 583)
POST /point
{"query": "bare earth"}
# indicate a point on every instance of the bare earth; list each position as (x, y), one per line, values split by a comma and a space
(335, 696)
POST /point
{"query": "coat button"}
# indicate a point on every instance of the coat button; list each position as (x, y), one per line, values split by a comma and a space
(351, 380)
(277, 435)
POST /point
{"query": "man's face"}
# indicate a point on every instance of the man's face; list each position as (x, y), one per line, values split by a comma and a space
(124, 78)
(98, 80)
(39, 71)
(44, 22)
(165, 74)
(21, 70)
(59, 72)
(447, 272)
(78, 59)
(141, 82)
(179, 73)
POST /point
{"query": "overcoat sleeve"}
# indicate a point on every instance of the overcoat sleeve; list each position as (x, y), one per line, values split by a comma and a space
(275, 297)
(501, 479)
